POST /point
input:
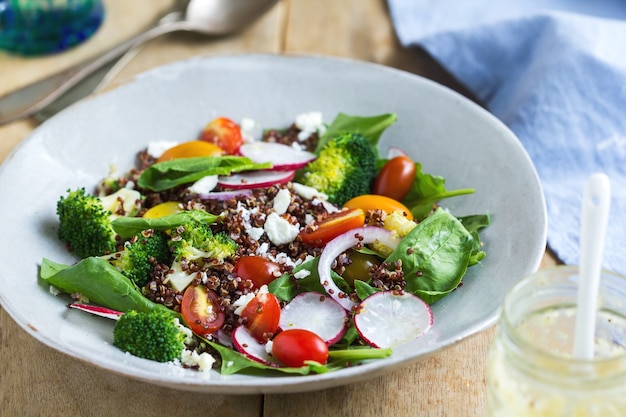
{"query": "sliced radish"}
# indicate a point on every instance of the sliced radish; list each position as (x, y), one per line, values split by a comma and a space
(255, 179)
(387, 319)
(97, 310)
(282, 157)
(247, 345)
(394, 151)
(340, 244)
(225, 195)
(317, 313)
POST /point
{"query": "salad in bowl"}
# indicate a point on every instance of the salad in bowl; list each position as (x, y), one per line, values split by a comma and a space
(298, 249)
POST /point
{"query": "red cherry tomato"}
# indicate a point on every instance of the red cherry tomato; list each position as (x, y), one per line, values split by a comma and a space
(201, 310)
(261, 316)
(332, 226)
(396, 178)
(224, 133)
(256, 270)
(295, 346)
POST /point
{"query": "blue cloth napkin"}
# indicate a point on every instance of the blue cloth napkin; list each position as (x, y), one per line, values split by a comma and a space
(554, 71)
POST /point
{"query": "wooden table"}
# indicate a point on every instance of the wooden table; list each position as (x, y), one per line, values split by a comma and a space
(38, 381)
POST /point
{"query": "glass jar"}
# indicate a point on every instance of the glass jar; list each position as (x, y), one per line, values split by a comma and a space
(530, 369)
(31, 27)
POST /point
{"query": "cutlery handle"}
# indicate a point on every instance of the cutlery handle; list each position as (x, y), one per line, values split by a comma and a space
(28, 100)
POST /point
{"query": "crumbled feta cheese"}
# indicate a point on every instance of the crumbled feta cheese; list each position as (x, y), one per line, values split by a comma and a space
(204, 361)
(309, 123)
(187, 331)
(301, 274)
(263, 248)
(281, 201)
(268, 346)
(307, 192)
(254, 232)
(204, 185)
(241, 302)
(279, 230)
(250, 129)
(54, 290)
(157, 148)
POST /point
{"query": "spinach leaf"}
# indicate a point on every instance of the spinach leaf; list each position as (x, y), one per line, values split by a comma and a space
(372, 127)
(130, 226)
(435, 256)
(286, 287)
(427, 190)
(169, 174)
(474, 224)
(100, 282)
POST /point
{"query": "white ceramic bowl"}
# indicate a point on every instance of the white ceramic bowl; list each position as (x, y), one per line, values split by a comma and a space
(447, 133)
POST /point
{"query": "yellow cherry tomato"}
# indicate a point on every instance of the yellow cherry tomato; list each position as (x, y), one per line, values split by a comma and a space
(191, 149)
(162, 210)
(373, 202)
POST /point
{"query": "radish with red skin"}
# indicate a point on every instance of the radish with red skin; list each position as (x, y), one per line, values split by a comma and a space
(317, 313)
(282, 157)
(255, 179)
(97, 310)
(340, 244)
(388, 318)
(250, 347)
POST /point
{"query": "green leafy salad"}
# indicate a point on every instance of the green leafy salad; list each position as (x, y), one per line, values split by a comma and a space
(299, 249)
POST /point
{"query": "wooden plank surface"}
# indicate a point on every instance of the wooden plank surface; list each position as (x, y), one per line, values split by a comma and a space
(39, 381)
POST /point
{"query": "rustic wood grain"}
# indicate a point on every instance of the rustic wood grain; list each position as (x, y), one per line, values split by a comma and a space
(38, 381)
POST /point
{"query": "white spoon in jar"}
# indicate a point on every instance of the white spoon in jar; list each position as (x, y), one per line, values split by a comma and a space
(594, 220)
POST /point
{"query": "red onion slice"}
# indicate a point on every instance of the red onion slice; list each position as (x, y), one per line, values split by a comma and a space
(340, 244)
(225, 195)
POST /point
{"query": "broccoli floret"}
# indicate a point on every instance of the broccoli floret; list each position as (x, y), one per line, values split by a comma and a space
(84, 224)
(140, 256)
(85, 220)
(344, 168)
(157, 335)
(195, 242)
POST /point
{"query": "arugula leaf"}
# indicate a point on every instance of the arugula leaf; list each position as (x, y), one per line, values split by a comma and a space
(130, 226)
(100, 282)
(169, 174)
(372, 127)
(439, 254)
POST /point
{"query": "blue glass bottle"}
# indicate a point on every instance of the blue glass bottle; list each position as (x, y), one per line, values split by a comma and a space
(34, 27)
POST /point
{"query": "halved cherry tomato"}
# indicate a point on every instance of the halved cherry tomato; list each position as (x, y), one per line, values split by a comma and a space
(163, 209)
(396, 178)
(261, 316)
(295, 346)
(190, 149)
(332, 226)
(377, 202)
(224, 133)
(201, 310)
(257, 270)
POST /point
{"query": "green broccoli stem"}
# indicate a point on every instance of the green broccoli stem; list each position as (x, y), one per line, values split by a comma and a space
(359, 354)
